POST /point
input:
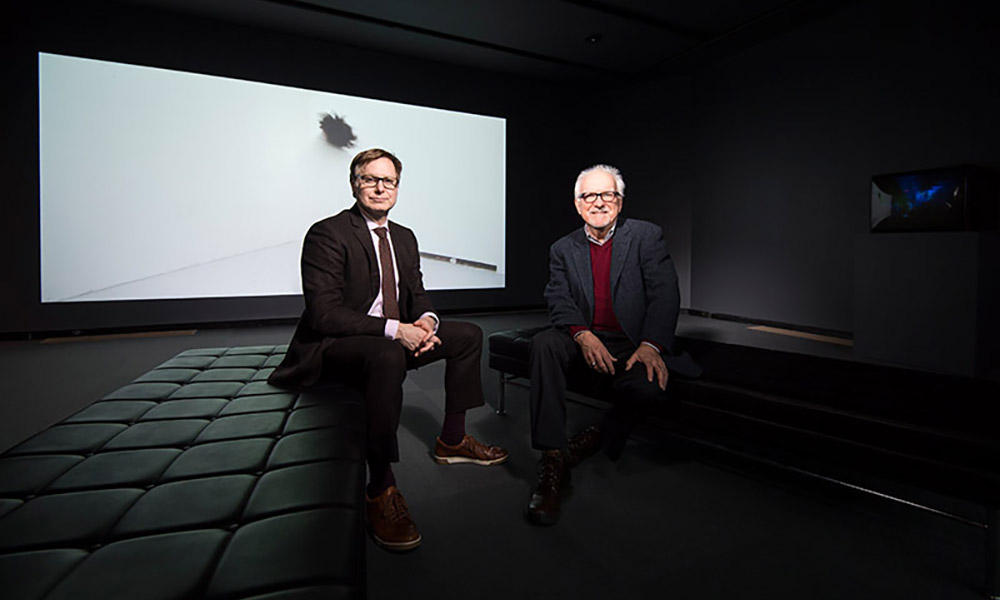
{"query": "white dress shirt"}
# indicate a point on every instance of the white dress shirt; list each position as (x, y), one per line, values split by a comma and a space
(391, 325)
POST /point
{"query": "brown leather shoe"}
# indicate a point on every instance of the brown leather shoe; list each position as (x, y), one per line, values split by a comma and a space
(545, 505)
(389, 521)
(583, 445)
(470, 450)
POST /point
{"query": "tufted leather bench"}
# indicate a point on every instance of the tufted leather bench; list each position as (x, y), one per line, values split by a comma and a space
(197, 480)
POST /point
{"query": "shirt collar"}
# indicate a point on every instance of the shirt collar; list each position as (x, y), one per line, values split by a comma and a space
(372, 225)
(606, 239)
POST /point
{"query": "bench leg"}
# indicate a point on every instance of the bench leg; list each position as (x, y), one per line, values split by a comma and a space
(993, 554)
(502, 397)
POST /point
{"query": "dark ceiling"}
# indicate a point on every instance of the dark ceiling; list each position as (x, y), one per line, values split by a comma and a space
(570, 40)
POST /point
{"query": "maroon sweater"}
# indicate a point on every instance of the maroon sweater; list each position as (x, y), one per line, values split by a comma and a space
(604, 311)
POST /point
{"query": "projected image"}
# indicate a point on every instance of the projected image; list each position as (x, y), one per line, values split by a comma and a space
(160, 184)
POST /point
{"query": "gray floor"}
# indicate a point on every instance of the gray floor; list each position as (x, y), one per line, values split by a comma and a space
(666, 521)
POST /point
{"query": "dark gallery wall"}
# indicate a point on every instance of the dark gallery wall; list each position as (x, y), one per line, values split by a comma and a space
(647, 130)
(790, 132)
(542, 157)
(756, 163)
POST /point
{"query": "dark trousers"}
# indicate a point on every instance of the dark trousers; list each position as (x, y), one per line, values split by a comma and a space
(555, 359)
(378, 365)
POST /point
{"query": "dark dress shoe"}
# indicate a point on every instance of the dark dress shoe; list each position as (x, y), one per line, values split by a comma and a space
(389, 521)
(469, 450)
(545, 505)
(583, 445)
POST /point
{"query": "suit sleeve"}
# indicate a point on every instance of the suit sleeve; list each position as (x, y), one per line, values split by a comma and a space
(563, 311)
(663, 298)
(324, 277)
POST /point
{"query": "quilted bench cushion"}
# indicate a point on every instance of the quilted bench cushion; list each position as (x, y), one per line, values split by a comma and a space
(509, 350)
(196, 480)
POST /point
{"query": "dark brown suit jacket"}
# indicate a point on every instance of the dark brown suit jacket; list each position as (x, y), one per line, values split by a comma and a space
(340, 281)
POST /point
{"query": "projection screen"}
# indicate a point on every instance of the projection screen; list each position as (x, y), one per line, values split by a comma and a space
(159, 184)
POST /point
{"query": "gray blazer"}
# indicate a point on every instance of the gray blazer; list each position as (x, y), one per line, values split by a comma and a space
(644, 291)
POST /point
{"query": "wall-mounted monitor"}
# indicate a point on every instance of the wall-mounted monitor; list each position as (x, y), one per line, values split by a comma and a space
(961, 198)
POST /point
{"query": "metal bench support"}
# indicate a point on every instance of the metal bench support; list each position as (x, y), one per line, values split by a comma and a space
(503, 378)
(993, 554)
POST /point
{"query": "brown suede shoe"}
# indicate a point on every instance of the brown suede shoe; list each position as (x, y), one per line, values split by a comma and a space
(469, 450)
(583, 445)
(389, 521)
(545, 505)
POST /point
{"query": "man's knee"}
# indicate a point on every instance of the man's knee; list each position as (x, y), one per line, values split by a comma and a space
(388, 358)
(547, 343)
(460, 337)
(639, 390)
(464, 330)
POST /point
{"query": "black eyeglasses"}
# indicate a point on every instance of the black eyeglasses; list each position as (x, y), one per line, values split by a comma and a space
(367, 181)
(591, 197)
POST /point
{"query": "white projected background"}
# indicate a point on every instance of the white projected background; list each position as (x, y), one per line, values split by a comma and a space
(162, 184)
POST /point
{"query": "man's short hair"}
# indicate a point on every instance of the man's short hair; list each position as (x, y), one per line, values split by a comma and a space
(366, 156)
(619, 182)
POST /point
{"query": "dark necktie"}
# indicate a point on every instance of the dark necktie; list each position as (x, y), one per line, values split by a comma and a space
(390, 307)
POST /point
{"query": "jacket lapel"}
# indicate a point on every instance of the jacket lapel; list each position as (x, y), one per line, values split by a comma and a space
(619, 250)
(364, 237)
(584, 272)
(402, 257)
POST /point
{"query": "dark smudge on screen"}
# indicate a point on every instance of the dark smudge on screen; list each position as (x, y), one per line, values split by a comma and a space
(337, 131)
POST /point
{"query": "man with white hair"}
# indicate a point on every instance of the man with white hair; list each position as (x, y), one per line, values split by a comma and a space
(613, 303)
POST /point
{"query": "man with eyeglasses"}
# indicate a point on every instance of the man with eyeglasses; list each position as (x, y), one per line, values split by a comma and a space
(613, 302)
(368, 320)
